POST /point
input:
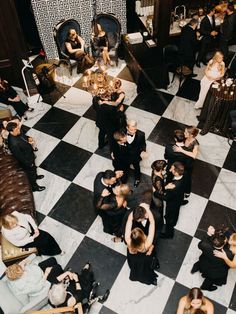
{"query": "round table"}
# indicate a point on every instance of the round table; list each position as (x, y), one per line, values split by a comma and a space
(216, 108)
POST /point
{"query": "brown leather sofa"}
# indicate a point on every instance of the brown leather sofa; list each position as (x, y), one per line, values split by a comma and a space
(15, 190)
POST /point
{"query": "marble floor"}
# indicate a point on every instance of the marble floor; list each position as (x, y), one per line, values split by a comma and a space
(65, 131)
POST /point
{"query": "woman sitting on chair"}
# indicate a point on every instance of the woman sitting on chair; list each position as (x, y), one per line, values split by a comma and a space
(100, 43)
(75, 46)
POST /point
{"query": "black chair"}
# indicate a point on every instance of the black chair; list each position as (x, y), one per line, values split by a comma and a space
(173, 63)
(60, 33)
(112, 28)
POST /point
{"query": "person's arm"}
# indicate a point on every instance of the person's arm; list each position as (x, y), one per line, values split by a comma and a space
(151, 231)
(181, 306)
(223, 255)
(70, 49)
(61, 277)
(79, 308)
(209, 306)
(128, 229)
(192, 154)
(100, 204)
(81, 41)
(30, 220)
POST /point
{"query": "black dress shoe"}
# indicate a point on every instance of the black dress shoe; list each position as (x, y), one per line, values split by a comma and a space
(105, 297)
(39, 177)
(192, 75)
(154, 282)
(136, 183)
(198, 64)
(195, 268)
(38, 188)
(211, 288)
(205, 63)
(184, 202)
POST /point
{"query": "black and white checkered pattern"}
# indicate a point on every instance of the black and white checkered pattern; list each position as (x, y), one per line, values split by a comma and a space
(68, 157)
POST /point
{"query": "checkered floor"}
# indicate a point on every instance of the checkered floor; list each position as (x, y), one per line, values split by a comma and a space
(68, 157)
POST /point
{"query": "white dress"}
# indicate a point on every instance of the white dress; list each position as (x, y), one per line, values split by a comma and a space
(214, 72)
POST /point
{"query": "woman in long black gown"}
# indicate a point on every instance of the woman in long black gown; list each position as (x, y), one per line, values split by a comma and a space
(158, 187)
(139, 259)
(114, 206)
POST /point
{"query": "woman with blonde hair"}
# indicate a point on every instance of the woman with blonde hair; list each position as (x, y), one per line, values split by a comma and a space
(114, 206)
(214, 71)
(21, 230)
(222, 254)
(100, 43)
(194, 301)
(139, 257)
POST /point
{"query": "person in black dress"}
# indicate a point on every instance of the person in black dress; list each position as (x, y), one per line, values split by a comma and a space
(75, 46)
(212, 268)
(114, 206)
(100, 43)
(22, 150)
(139, 257)
(158, 187)
(174, 198)
(10, 97)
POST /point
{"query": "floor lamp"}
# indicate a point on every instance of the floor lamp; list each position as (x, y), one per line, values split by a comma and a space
(27, 65)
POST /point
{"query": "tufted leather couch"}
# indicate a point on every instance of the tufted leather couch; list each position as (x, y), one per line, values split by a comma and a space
(15, 190)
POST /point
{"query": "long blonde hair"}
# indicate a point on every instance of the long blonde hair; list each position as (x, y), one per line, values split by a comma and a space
(232, 239)
(137, 240)
(14, 272)
(7, 219)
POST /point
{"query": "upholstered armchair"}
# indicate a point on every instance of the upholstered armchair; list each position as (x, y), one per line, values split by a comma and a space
(60, 32)
(112, 28)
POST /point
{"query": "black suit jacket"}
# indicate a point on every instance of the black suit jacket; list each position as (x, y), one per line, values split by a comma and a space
(188, 42)
(206, 28)
(211, 266)
(21, 150)
(105, 116)
(98, 187)
(137, 146)
(228, 28)
(172, 156)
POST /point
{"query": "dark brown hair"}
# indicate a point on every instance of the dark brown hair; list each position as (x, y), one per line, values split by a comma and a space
(194, 293)
(179, 167)
(139, 213)
(179, 135)
(137, 239)
(159, 165)
(192, 130)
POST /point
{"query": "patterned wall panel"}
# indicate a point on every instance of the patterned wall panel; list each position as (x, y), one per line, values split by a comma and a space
(49, 12)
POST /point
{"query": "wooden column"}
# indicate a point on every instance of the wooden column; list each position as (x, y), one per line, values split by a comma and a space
(161, 21)
(12, 48)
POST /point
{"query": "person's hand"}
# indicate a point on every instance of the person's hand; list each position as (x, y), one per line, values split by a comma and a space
(36, 233)
(143, 154)
(122, 108)
(220, 254)
(210, 230)
(177, 149)
(75, 277)
(105, 192)
(149, 251)
(119, 173)
(170, 186)
(214, 33)
(31, 140)
(100, 102)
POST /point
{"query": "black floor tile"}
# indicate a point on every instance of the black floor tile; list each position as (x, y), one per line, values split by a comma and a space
(230, 161)
(232, 304)
(106, 263)
(177, 292)
(204, 177)
(104, 152)
(163, 133)
(190, 89)
(66, 160)
(216, 215)
(56, 122)
(90, 114)
(125, 75)
(75, 208)
(52, 97)
(154, 101)
(171, 253)
(39, 217)
(105, 310)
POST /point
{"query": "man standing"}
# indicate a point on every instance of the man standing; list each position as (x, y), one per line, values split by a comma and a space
(137, 148)
(174, 198)
(208, 33)
(188, 44)
(22, 150)
(213, 269)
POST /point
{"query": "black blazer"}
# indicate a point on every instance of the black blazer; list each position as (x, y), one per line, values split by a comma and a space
(206, 28)
(211, 266)
(21, 150)
(174, 197)
(188, 41)
(172, 156)
(137, 146)
(98, 187)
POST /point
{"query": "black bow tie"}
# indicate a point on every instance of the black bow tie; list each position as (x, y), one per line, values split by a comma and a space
(130, 134)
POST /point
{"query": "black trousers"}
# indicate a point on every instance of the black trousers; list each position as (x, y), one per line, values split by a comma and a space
(31, 173)
(102, 136)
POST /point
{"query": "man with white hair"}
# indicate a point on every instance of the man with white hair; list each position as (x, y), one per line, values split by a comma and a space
(137, 148)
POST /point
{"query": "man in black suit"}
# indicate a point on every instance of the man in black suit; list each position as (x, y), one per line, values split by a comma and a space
(137, 148)
(22, 150)
(228, 29)
(188, 44)
(209, 36)
(213, 269)
(174, 198)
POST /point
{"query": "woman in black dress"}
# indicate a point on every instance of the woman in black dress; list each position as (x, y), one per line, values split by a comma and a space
(158, 187)
(114, 206)
(100, 43)
(190, 149)
(139, 259)
(10, 97)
